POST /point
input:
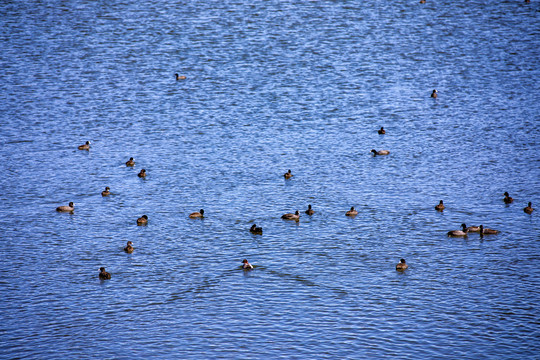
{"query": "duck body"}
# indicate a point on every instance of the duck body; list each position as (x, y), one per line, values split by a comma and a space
(459, 233)
(129, 247)
(143, 220)
(402, 265)
(195, 215)
(352, 212)
(434, 93)
(289, 216)
(142, 173)
(255, 230)
(381, 131)
(528, 209)
(130, 162)
(68, 208)
(85, 146)
(380, 152)
(179, 77)
(106, 192)
(473, 229)
(309, 211)
(103, 275)
(440, 206)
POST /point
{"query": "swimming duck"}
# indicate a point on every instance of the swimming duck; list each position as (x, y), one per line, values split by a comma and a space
(380, 152)
(507, 199)
(130, 162)
(143, 220)
(402, 265)
(106, 192)
(196, 215)
(178, 77)
(309, 210)
(86, 146)
(382, 131)
(529, 208)
(473, 229)
(422, 1)
(255, 230)
(434, 94)
(352, 212)
(64, 208)
(246, 265)
(289, 216)
(142, 173)
(459, 232)
(288, 174)
(103, 275)
(129, 247)
(439, 207)
(486, 231)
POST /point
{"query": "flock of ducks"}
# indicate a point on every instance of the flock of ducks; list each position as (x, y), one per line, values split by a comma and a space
(401, 266)
(464, 231)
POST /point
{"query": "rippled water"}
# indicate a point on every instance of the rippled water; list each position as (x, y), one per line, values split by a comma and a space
(271, 86)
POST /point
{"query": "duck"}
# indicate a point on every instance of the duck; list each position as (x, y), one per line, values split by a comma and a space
(382, 131)
(422, 1)
(142, 173)
(246, 265)
(129, 247)
(106, 192)
(130, 162)
(486, 231)
(85, 146)
(458, 233)
(473, 229)
(69, 208)
(143, 220)
(309, 210)
(380, 152)
(255, 230)
(402, 265)
(288, 174)
(179, 77)
(440, 206)
(103, 275)
(528, 209)
(289, 216)
(195, 215)
(507, 199)
(352, 212)
(434, 94)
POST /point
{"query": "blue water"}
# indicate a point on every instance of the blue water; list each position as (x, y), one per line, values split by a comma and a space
(270, 86)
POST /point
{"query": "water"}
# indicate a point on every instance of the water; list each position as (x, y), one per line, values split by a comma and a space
(271, 86)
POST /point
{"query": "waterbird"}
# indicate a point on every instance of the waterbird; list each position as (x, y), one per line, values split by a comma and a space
(289, 216)
(106, 192)
(309, 210)
(142, 173)
(86, 146)
(528, 209)
(179, 77)
(440, 206)
(507, 199)
(288, 174)
(255, 230)
(458, 233)
(402, 265)
(130, 162)
(382, 131)
(352, 212)
(196, 214)
(143, 220)
(380, 152)
(69, 208)
(103, 275)
(246, 265)
(434, 94)
(129, 247)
